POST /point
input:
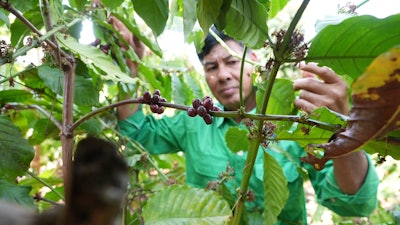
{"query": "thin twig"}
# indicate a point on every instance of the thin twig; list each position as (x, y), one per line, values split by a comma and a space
(36, 177)
(226, 114)
(9, 7)
(36, 107)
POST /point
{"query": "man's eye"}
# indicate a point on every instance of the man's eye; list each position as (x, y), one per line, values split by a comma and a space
(232, 62)
(211, 68)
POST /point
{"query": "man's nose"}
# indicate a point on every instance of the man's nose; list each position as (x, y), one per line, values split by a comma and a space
(224, 72)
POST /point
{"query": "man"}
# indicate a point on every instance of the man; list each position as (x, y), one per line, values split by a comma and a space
(347, 185)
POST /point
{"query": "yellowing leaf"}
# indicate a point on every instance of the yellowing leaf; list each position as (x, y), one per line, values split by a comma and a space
(384, 69)
(375, 111)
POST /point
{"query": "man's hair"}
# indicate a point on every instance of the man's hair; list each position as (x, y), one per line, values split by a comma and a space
(210, 42)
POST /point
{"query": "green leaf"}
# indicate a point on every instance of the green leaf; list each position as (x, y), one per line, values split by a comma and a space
(275, 189)
(112, 4)
(237, 139)
(14, 95)
(4, 18)
(92, 126)
(134, 28)
(15, 152)
(181, 93)
(19, 30)
(281, 99)
(153, 12)
(85, 93)
(186, 205)
(31, 78)
(208, 12)
(53, 78)
(56, 11)
(349, 47)
(384, 148)
(189, 17)
(97, 60)
(15, 193)
(221, 20)
(306, 134)
(78, 4)
(246, 21)
(194, 81)
(275, 7)
(43, 130)
(23, 5)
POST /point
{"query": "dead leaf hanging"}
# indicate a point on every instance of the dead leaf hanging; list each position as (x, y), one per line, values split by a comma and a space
(375, 111)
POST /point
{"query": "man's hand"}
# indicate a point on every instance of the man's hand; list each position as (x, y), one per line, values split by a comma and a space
(133, 41)
(319, 87)
(126, 111)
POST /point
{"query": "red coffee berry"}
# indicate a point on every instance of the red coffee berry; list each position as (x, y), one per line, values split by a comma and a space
(160, 109)
(105, 48)
(157, 92)
(146, 97)
(154, 108)
(216, 108)
(208, 119)
(196, 103)
(206, 97)
(208, 103)
(202, 111)
(192, 112)
(155, 99)
(141, 99)
(95, 42)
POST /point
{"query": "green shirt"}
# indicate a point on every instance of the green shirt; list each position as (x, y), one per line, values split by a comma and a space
(207, 156)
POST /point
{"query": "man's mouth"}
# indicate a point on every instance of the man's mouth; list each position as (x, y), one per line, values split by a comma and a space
(228, 91)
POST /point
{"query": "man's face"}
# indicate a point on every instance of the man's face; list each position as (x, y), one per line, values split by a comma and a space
(222, 71)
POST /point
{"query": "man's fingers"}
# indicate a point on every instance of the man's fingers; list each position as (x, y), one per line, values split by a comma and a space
(324, 73)
(310, 83)
(304, 105)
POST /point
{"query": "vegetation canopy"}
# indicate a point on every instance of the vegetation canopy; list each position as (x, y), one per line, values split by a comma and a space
(71, 90)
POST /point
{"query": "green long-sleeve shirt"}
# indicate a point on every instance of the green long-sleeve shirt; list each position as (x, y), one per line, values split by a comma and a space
(207, 156)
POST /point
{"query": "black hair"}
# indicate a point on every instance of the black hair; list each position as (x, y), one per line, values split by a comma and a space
(210, 42)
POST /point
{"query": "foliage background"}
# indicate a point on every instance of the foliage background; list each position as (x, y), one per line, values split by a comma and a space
(29, 112)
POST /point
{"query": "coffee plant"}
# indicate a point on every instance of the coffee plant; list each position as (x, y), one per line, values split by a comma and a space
(73, 90)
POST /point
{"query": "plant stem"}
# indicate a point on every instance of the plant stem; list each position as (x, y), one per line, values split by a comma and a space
(254, 143)
(280, 53)
(36, 42)
(46, 184)
(362, 3)
(241, 77)
(230, 51)
(9, 7)
(40, 109)
(67, 132)
(248, 169)
(225, 114)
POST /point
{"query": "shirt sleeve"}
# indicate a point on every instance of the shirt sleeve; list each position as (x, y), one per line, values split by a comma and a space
(157, 135)
(329, 194)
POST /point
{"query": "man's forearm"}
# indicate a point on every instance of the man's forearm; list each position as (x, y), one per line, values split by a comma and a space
(350, 171)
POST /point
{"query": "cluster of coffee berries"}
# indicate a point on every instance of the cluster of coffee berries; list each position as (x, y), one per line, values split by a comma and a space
(203, 108)
(153, 101)
(104, 48)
